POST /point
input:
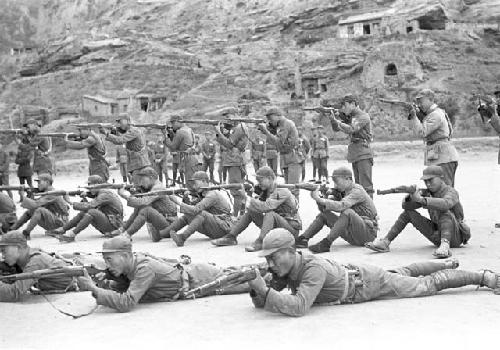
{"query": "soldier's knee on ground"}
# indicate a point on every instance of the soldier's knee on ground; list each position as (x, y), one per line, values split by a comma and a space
(93, 212)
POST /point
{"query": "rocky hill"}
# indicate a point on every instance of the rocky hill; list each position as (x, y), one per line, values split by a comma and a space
(202, 54)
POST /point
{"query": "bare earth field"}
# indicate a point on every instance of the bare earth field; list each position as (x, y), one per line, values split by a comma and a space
(458, 319)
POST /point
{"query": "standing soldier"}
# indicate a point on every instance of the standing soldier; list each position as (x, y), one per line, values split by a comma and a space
(271, 154)
(258, 153)
(436, 129)
(319, 146)
(305, 147)
(50, 212)
(359, 151)
(236, 143)
(208, 149)
(182, 144)
(121, 161)
(96, 150)
(24, 157)
(134, 141)
(8, 215)
(160, 160)
(287, 142)
(4, 169)
(42, 146)
(197, 151)
(223, 152)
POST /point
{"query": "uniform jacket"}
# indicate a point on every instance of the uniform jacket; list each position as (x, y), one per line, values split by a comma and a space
(208, 149)
(55, 204)
(258, 149)
(287, 142)
(360, 131)
(4, 162)
(161, 203)
(281, 201)
(42, 163)
(135, 143)
(319, 146)
(235, 143)
(23, 160)
(106, 202)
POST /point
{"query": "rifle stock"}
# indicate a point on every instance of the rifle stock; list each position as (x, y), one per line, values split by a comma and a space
(400, 189)
(107, 186)
(68, 271)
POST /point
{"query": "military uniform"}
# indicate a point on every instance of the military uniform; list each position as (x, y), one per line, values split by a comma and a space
(42, 163)
(7, 212)
(4, 169)
(271, 155)
(235, 144)
(181, 145)
(495, 124)
(258, 153)
(222, 170)
(121, 159)
(135, 143)
(96, 151)
(158, 210)
(357, 222)
(160, 161)
(304, 147)
(319, 149)
(24, 157)
(209, 149)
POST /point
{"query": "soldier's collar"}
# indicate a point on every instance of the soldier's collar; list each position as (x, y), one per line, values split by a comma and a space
(294, 272)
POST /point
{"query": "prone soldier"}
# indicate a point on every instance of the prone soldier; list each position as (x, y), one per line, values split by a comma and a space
(157, 210)
(277, 207)
(357, 219)
(208, 150)
(314, 280)
(211, 216)
(436, 130)
(445, 228)
(7, 213)
(104, 212)
(319, 147)
(96, 150)
(49, 212)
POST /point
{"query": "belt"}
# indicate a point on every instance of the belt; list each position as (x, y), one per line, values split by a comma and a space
(430, 143)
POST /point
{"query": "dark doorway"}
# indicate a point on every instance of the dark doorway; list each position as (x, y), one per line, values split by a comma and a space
(366, 29)
(391, 69)
(409, 29)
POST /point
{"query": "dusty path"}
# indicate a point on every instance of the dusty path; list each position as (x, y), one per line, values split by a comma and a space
(460, 319)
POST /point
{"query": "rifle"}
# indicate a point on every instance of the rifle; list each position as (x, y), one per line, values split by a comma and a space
(321, 109)
(403, 189)
(16, 188)
(247, 120)
(12, 131)
(61, 135)
(62, 271)
(231, 278)
(300, 186)
(201, 121)
(152, 126)
(411, 107)
(63, 193)
(165, 192)
(223, 187)
(108, 186)
(95, 125)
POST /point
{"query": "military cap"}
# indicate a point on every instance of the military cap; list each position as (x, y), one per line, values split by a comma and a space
(123, 116)
(265, 171)
(13, 238)
(146, 171)
(432, 171)
(342, 171)
(229, 111)
(32, 121)
(175, 118)
(200, 175)
(425, 93)
(95, 179)
(349, 99)
(208, 132)
(274, 110)
(117, 244)
(275, 240)
(45, 177)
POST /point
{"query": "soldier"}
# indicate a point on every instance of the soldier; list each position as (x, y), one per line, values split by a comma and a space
(278, 208)
(208, 150)
(445, 229)
(4, 169)
(258, 150)
(287, 142)
(357, 219)
(235, 143)
(49, 212)
(96, 151)
(7, 213)
(223, 153)
(134, 141)
(305, 147)
(42, 146)
(151, 153)
(24, 157)
(157, 210)
(197, 151)
(104, 212)
(359, 151)
(160, 160)
(319, 147)
(17, 254)
(121, 160)
(436, 130)
(145, 278)
(314, 280)
(271, 154)
(182, 144)
(211, 216)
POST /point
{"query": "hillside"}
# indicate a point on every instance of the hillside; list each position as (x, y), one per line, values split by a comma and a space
(203, 54)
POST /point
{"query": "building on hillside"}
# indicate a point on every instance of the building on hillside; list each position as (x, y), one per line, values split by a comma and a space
(100, 106)
(149, 100)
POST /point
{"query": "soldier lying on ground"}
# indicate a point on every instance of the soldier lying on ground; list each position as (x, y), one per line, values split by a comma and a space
(145, 278)
(314, 280)
(49, 212)
(277, 207)
(356, 221)
(445, 228)
(211, 216)
(158, 210)
(104, 212)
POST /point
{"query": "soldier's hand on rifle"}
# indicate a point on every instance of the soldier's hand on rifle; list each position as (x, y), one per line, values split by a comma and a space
(85, 283)
(218, 127)
(262, 127)
(412, 113)
(258, 284)
(315, 194)
(103, 130)
(416, 197)
(174, 199)
(122, 192)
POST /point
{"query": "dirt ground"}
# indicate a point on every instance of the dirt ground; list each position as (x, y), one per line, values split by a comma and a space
(457, 319)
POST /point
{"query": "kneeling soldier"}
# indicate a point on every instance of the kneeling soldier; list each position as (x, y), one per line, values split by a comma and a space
(445, 229)
(356, 221)
(278, 209)
(18, 254)
(145, 278)
(50, 212)
(104, 212)
(211, 216)
(158, 210)
(314, 280)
